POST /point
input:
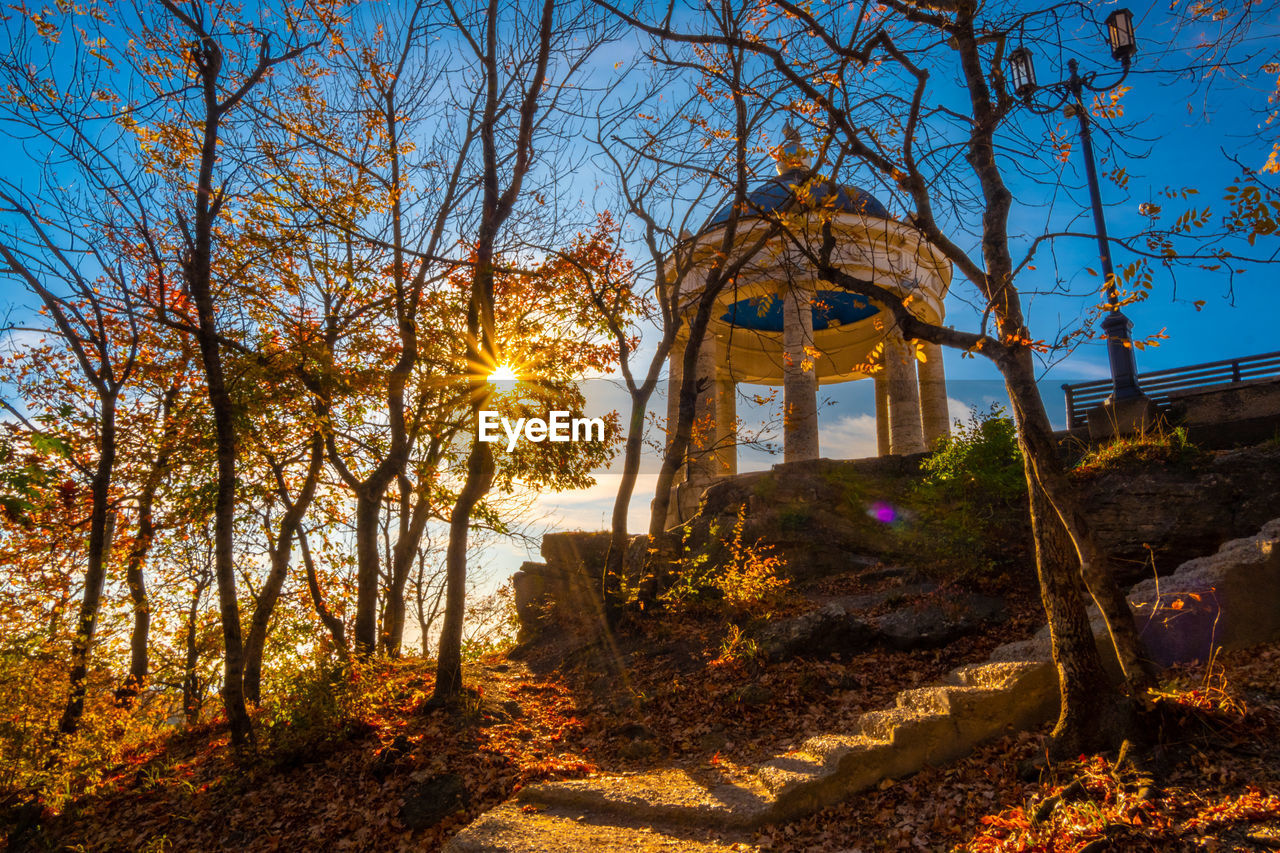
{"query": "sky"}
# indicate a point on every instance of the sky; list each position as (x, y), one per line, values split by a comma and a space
(1182, 135)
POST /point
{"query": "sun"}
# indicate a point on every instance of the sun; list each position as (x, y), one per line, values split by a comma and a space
(503, 373)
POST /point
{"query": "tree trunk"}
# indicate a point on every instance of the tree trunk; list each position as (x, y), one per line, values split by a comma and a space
(403, 557)
(192, 689)
(281, 557)
(1045, 465)
(99, 548)
(1094, 715)
(256, 638)
(136, 580)
(678, 446)
(615, 560)
(480, 470)
(368, 564)
(333, 623)
(139, 637)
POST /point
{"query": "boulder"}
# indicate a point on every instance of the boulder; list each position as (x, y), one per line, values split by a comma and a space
(933, 625)
(829, 629)
(1166, 513)
(1229, 599)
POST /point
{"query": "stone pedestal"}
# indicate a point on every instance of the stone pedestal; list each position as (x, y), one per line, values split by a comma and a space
(1122, 417)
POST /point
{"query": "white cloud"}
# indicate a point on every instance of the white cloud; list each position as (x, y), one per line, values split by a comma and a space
(591, 508)
(850, 437)
(17, 339)
(1079, 369)
(957, 410)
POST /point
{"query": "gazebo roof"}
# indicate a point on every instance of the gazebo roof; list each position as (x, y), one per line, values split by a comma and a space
(776, 194)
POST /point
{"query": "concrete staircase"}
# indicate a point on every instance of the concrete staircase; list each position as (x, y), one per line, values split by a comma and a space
(702, 810)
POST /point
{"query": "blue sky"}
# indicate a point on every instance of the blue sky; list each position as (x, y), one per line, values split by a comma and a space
(1183, 134)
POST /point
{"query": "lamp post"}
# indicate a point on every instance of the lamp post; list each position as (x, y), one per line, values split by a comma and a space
(1116, 326)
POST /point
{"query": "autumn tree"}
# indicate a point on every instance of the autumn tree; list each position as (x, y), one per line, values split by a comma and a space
(677, 162)
(143, 117)
(863, 81)
(527, 62)
(101, 333)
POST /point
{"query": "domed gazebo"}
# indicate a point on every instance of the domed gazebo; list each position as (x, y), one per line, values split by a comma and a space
(777, 324)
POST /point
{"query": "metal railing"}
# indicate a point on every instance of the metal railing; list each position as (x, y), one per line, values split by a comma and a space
(1159, 384)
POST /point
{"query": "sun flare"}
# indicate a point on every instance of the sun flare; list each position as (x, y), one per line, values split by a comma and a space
(503, 373)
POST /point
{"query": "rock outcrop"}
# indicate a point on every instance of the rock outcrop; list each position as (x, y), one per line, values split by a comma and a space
(565, 590)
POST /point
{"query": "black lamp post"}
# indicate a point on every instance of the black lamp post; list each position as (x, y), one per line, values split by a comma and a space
(1070, 93)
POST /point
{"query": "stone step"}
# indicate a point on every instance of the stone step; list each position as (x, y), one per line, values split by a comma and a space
(683, 809)
(677, 796)
(999, 675)
(825, 770)
(525, 828)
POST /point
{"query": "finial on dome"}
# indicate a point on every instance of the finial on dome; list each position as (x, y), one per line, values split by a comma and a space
(790, 155)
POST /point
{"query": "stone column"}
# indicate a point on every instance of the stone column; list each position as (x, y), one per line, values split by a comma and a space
(934, 419)
(882, 414)
(905, 435)
(726, 426)
(799, 386)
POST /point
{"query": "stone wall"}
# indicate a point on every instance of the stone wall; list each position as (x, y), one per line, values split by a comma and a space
(1182, 511)
(565, 589)
(828, 516)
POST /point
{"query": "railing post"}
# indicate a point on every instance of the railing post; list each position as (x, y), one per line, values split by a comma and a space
(1071, 412)
(1235, 370)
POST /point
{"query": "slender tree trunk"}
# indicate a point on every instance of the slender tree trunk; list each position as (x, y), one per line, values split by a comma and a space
(615, 560)
(256, 637)
(1094, 714)
(333, 623)
(192, 689)
(223, 541)
(1044, 463)
(480, 470)
(678, 446)
(368, 565)
(281, 557)
(403, 557)
(198, 272)
(136, 580)
(482, 344)
(99, 549)
(139, 637)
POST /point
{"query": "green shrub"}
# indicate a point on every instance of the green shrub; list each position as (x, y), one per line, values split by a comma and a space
(1158, 444)
(972, 498)
(982, 454)
(310, 704)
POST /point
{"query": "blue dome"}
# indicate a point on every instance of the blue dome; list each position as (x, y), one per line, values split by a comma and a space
(830, 308)
(776, 193)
